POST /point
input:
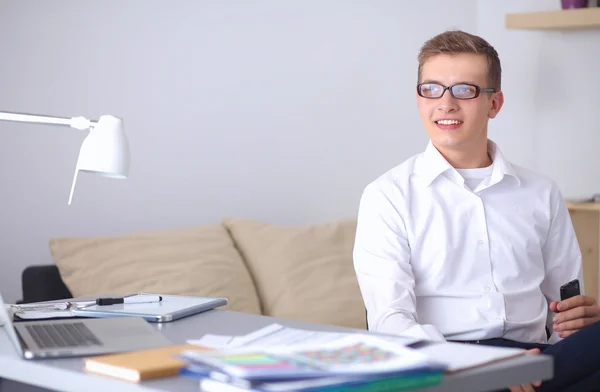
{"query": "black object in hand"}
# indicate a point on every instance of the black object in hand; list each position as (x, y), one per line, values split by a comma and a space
(570, 289)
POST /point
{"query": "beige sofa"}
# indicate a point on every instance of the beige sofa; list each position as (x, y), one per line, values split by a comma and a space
(301, 273)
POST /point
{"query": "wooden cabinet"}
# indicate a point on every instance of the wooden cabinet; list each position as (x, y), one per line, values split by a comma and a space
(586, 221)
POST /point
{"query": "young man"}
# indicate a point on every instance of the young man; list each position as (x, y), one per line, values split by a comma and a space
(457, 243)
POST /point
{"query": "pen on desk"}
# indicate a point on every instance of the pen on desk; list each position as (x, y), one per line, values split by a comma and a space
(136, 299)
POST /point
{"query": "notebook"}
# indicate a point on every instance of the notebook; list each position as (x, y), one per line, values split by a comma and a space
(140, 365)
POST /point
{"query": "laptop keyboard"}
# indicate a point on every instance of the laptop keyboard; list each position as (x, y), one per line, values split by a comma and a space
(62, 335)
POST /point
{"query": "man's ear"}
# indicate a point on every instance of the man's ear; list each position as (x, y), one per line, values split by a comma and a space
(496, 104)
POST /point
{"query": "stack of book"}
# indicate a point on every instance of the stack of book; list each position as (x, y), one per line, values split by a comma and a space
(354, 363)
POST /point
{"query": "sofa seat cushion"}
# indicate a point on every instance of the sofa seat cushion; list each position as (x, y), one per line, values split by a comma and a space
(303, 273)
(199, 261)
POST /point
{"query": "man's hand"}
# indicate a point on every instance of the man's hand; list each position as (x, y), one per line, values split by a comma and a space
(527, 387)
(574, 314)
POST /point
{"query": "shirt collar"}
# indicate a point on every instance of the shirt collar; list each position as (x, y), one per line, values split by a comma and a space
(434, 164)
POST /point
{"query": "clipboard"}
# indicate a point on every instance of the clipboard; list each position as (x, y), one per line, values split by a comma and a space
(172, 307)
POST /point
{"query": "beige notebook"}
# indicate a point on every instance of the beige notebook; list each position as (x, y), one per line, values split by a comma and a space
(140, 365)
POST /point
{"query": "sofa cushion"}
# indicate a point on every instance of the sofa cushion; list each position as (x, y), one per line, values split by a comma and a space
(189, 261)
(303, 273)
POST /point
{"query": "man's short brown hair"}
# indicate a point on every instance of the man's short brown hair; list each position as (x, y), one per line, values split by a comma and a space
(456, 41)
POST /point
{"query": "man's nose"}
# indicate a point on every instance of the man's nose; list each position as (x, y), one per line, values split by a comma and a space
(447, 103)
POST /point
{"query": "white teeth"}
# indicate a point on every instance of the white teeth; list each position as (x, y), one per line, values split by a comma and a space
(449, 122)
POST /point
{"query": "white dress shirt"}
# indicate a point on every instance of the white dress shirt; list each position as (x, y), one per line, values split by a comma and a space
(447, 254)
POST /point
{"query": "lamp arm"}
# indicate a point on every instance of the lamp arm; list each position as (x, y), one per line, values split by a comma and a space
(74, 122)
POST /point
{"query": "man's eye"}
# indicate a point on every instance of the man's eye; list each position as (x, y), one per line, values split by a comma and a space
(464, 90)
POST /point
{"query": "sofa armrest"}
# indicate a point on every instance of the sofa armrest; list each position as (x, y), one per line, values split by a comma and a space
(43, 283)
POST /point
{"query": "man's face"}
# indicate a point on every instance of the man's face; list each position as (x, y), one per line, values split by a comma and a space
(466, 121)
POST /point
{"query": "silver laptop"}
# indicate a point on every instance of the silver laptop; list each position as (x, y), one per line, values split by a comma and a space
(79, 337)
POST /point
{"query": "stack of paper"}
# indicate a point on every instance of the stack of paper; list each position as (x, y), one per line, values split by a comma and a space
(278, 358)
(417, 380)
(42, 310)
(356, 360)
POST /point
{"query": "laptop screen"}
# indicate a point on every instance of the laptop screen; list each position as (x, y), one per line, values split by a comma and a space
(6, 322)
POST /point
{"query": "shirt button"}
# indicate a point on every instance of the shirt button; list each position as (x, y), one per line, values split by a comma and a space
(499, 318)
(480, 242)
(487, 288)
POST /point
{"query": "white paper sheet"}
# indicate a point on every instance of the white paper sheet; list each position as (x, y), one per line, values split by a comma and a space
(38, 315)
(275, 335)
(461, 356)
(212, 341)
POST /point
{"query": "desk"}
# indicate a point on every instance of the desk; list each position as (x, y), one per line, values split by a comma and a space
(67, 374)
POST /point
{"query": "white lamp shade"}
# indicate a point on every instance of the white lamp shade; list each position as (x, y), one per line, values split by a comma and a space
(105, 151)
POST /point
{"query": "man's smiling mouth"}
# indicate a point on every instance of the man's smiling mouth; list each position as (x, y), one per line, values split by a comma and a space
(448, 122)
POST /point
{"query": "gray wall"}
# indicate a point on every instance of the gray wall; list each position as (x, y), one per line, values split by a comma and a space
(275, 110)
(550, 79)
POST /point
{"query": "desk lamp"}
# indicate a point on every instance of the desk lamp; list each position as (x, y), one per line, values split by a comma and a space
(105, 150)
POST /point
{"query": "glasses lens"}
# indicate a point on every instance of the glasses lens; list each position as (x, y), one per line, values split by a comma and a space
(464, 91)
(430, 90)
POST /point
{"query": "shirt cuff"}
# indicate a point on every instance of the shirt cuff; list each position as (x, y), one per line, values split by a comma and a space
(399, 324)
(426, 332)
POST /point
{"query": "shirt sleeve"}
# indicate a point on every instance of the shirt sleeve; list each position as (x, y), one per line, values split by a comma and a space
(562, 255)
(382, 264)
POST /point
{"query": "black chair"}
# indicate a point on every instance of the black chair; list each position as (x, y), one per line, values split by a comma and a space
(43, 283)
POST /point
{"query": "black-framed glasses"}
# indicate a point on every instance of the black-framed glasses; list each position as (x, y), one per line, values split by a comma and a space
(458, 91)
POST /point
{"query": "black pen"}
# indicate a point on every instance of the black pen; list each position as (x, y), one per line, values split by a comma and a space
(135, 299)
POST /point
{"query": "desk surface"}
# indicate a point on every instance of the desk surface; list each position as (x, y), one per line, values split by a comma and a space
(67, 374)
